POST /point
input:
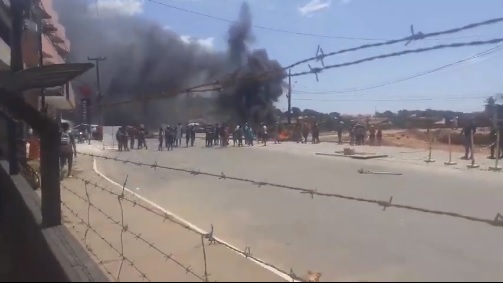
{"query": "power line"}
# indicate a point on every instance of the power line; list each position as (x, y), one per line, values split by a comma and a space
(287, 31)
(420, 74)
(397, 99)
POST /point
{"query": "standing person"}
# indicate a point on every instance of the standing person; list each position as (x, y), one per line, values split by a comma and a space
(67, 149)
(360, 134)
(216, 134)
(240, 135)
(179, 130)
(132, 134)
(298, 132)
(305, 132)
(166, 136)
(141, 137)
(372, 135)
(209, 138)
(161, 139)
(192, 136)
(468, 132)
(188, 133)
(277, 131)
(222, 132)
(169, 138)
(339, 133)
(119, 136)
(379, 137)
(248, 135)
(264, 134)
(315, 133)
(352, 135)
(235, 136)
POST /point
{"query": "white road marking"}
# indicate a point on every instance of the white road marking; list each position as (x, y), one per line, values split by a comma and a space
(193, 227)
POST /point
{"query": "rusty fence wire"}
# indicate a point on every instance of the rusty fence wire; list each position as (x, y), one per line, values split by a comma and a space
(125, 197)
(134, 202)
(121, 223)
(496, 221)
(221, 83)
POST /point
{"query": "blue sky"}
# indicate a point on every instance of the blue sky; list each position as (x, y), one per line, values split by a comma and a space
(461, 87)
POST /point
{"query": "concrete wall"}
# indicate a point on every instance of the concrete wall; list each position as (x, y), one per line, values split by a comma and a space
(30, 253)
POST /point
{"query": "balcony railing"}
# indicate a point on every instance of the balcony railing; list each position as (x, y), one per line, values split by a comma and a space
(62, 51)
(42, 12)
(48, 27)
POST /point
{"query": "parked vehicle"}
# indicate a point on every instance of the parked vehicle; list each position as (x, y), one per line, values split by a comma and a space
(96, 131)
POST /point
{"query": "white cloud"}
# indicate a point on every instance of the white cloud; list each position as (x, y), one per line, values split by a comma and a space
(125, 7)
(314, 6)
(204, 42)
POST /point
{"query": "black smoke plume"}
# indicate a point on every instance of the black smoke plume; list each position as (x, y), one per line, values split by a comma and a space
(143, 59)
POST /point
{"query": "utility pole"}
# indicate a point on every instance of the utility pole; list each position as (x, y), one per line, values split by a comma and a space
(289, 96)
(97, 61)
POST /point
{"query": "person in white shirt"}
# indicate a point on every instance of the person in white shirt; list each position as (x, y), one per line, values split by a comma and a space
(179, 135)
(264, 133)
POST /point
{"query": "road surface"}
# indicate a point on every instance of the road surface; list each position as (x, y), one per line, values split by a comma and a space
(345, 240)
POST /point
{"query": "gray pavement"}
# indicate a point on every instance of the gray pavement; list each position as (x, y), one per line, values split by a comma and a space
(344, 240)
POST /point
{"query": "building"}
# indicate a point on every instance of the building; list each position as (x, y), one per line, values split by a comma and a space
(44, 42)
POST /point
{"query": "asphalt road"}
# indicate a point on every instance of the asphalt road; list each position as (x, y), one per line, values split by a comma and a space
(345, 240)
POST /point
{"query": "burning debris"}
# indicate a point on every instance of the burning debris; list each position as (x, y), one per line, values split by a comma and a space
(143, 59)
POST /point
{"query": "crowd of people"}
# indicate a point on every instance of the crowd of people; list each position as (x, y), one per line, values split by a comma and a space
(242, 134)
(127, 135)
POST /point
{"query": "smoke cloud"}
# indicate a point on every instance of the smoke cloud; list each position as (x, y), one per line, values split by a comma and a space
(144, 59)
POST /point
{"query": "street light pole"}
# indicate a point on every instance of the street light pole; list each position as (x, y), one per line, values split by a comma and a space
(97, 61)
(289, 96)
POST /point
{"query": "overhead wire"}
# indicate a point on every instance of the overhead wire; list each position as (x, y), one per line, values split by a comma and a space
(272, 29)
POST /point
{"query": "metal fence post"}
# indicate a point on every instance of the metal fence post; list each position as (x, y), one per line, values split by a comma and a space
(50, 176)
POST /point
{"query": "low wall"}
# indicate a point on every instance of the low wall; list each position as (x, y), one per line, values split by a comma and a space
(33, 253)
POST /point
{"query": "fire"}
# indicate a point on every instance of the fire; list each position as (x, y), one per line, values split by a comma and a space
(283, 136)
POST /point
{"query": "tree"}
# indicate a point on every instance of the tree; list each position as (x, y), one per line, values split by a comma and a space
(296, 112)
(335, 115)
(490, 105)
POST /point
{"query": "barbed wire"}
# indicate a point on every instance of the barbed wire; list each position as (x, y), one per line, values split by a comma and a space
(167, 217)
(497, 221)
(219, 84)
(413, 37)
(318, 70)
(125, 229)
(490, 51)
(108, 243)
(99, 260)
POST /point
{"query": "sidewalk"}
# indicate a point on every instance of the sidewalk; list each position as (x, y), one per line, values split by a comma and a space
(150, 243)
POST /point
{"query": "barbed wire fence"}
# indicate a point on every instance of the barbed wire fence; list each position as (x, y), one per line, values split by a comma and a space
(206, 238)
(134, 201)
(124, 229)
(216, 85)
(496, 221)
